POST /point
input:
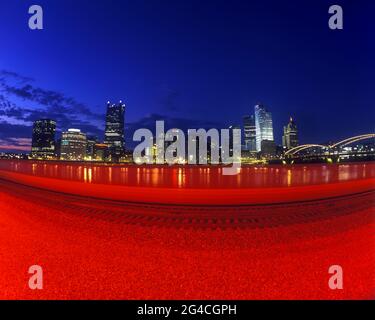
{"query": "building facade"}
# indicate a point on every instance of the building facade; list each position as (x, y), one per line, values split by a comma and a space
(91, 141)
(264, 126)
(268, 148)
(234, 135)
(114, 130)
(73, 145)
(43, 139)
(249, 133)
(100, 152)
(290, 137)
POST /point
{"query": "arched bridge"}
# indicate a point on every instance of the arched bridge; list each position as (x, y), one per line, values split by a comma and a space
(342, 143)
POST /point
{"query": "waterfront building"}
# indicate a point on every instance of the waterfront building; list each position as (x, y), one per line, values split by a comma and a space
(91, 141)
(73, 145)
(114, 130)
(268, 148)
(43, 139)
(290, 137)
(249, 133)
(264, 126)
(101, 152)
(233, 136)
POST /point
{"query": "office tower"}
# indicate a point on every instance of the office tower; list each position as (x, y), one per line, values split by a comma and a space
(290, 137)
(268, 148)
(263, 124)
(114, 130)
(43, 139)
(91, 141)
(100, 152)
(57, 148)
(234, 135)
(73, 145)
(249, 133)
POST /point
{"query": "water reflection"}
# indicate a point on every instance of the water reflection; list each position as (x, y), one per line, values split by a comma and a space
(87, 174)
(197, 176)
(289, 178)
(180, 178)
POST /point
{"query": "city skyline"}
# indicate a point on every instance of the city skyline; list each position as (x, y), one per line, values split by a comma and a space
(203, 74)
(200, 154)
(258, 143)
(256, 128)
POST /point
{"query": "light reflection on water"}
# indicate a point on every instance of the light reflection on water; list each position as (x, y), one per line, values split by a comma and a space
(197, 176)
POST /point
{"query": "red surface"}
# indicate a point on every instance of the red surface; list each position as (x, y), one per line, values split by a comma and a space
(99, 250)
(254, 185)
(194, 177)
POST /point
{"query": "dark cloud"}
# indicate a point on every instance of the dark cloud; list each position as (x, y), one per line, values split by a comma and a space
(5, 74)
(15, 144)
(42, 103)
(51, 100)
(21, 103)
(14, 130)
(148, 122)
(15, 137)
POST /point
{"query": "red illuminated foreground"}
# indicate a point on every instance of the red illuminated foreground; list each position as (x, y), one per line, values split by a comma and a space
(129, 232)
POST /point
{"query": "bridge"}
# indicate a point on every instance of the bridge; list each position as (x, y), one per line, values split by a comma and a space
(328, 149)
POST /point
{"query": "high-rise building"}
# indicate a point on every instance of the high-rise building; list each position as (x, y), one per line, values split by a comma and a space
(100, 152)
(91, 141)
(263, 124)
(268, 148)
(290, 137)
(73, 145)
(249, 133)
(43, 139)
(114, 130)
(57, 148)
(233, 136)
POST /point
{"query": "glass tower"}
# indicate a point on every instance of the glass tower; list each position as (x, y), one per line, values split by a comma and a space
(43, 139)
(114, 130)
(249, 133)
(290, 137)
(263, 124)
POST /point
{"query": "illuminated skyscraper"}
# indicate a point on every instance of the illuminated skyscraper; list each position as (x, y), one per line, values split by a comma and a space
(249, 133)
(43, 139)
(73, 145)
(290, 137)
(233, 136)
(114, 130)
(263, 124)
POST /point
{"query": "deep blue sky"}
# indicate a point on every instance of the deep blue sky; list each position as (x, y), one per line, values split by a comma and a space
(195, 63)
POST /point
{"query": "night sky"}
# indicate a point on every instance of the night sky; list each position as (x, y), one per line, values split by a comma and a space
(192, 63)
